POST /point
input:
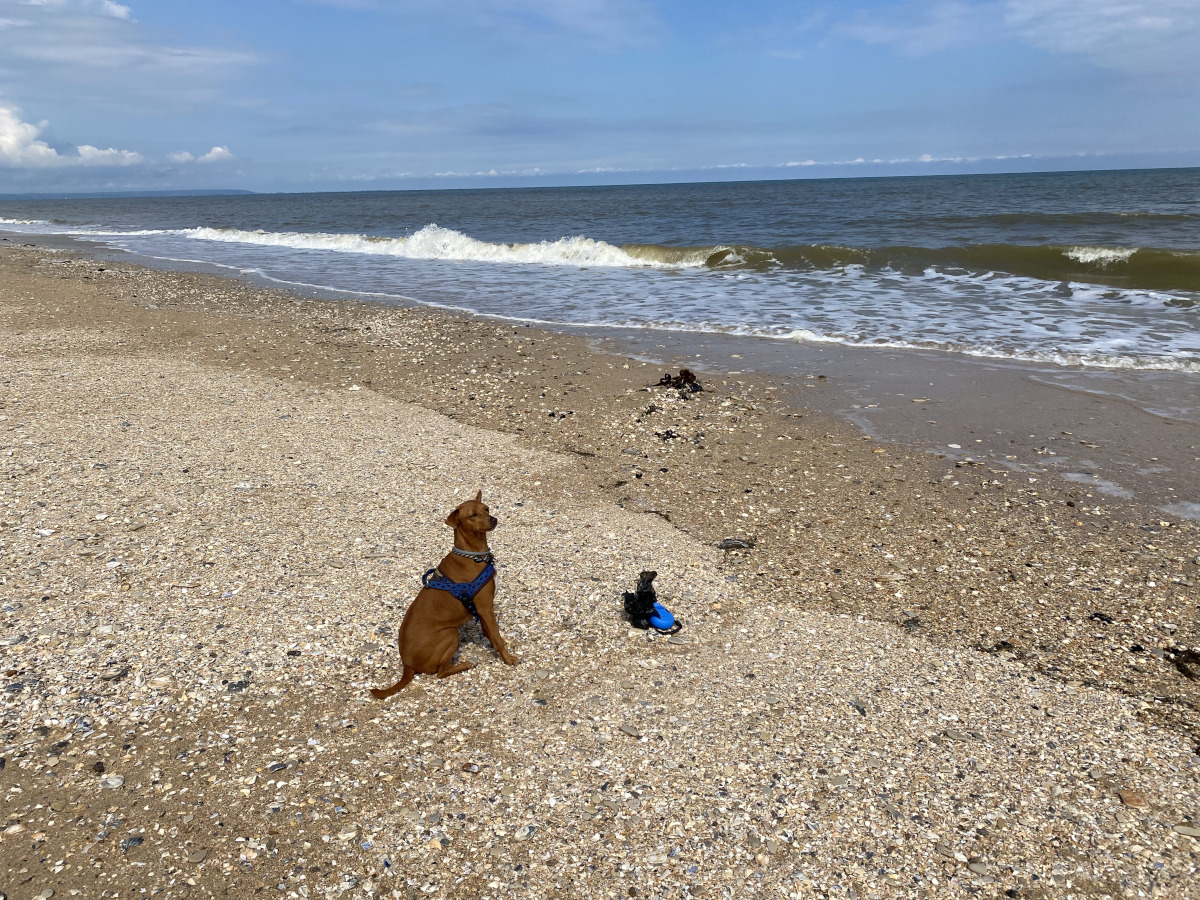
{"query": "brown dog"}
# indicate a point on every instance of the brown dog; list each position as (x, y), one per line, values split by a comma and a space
(429, 633)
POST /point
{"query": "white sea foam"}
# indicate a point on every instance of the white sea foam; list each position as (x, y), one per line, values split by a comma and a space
(1090, 360)
(1101, 255)
(435, 243)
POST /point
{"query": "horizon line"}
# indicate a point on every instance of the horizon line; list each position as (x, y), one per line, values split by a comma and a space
(136, 193)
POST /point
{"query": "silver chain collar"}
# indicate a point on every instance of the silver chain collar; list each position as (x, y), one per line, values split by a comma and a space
(471, 554)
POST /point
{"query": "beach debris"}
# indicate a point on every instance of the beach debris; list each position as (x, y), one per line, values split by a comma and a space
(644, 610)
(684, 381)
(731, 543)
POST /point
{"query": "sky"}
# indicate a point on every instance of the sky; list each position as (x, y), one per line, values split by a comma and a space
(305, 95)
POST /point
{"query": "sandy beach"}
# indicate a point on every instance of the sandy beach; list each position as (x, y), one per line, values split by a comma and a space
(925, 676)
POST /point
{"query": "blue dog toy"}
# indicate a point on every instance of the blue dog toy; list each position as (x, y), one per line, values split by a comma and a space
(661, 618)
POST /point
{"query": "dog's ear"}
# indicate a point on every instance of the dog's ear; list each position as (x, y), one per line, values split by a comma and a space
(452, 519)
(479, 497)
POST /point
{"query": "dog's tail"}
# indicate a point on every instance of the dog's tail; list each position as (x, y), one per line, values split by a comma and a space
(384, 693)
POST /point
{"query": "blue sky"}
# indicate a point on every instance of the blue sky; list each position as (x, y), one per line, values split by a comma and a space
(374, 94)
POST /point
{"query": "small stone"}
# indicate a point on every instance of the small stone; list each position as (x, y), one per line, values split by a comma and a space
(276, 767)
(631, 731)
(735, 544)
(944, 850)
(348, 833)
(1189, 830)
(114, 673)
(978, 868)
(112, 782)
(46, 894)
(955, 735)
(525, 832)
(470, 768)
(1136, 799)
(198, 857)
(237, 686)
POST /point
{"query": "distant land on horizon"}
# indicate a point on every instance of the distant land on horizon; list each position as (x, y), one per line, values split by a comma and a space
(100, 195)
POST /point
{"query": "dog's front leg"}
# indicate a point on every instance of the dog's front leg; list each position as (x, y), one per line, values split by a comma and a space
(485, 605)
(492, 631)
(487, 621)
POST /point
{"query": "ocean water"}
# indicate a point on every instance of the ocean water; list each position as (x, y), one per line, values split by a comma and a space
(1093, 269)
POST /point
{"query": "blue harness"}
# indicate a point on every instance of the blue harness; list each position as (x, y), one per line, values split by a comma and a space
(464, 592)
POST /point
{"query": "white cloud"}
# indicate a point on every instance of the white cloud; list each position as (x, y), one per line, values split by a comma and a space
(1135, 36)
(19, 144)
(942, 25)
(607, 25)
(116, 10)
(20, 147)
(216, 154)
(181, 156)
(98, 50)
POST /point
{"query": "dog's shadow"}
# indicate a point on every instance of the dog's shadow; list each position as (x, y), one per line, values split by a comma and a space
(473, 645)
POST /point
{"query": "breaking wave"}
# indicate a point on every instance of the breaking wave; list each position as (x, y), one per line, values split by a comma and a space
(434, 242)
(1141, 268)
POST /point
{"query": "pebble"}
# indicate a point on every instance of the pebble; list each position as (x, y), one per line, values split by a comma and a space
(1136, 799)
(525, 832)
(198, 856)
(112, 782)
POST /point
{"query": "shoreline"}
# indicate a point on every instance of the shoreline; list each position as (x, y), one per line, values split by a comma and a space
(1124, 435)
(877, 570)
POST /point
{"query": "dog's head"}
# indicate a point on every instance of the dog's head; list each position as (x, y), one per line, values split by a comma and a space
(472, 516)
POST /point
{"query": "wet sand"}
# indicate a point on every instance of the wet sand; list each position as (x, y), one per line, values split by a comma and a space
(1123, 435)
